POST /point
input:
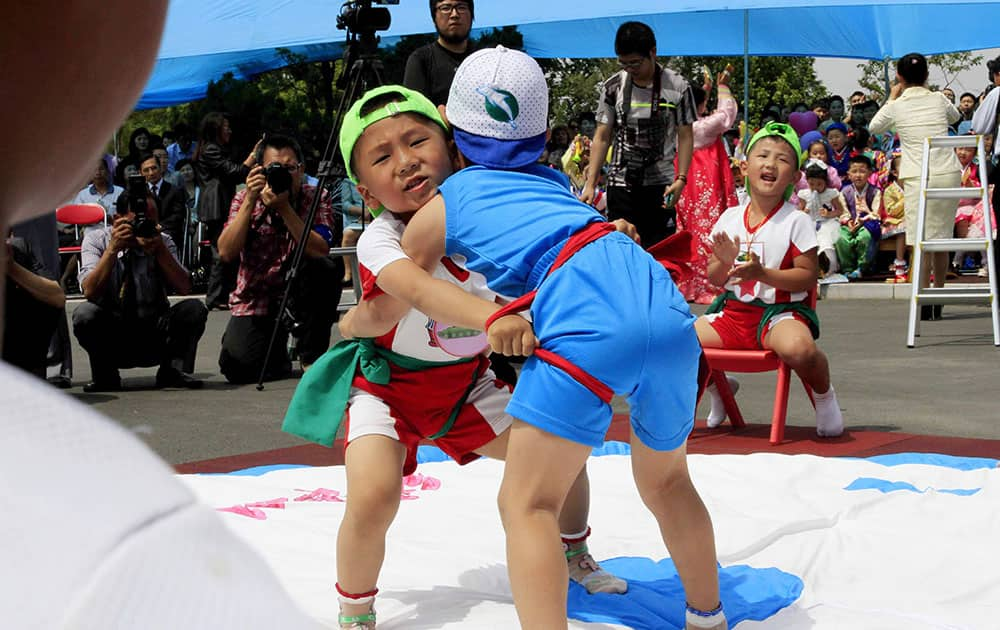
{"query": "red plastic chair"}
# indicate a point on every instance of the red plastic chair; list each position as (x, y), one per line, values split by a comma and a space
(79, 215)
(721, 361)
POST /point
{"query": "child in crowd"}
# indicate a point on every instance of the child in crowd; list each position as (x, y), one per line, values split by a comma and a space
(817, 152)
(861, 229)
(514, 223)
(765, 257)
(894, 221)
(967, 208)
(824, 206)
(741, 189)
(575, 160)
(840, 152)
(423, 392)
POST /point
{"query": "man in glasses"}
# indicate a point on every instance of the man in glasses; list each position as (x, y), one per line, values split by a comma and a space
(645, 113)
(265, 223)
(430, 68)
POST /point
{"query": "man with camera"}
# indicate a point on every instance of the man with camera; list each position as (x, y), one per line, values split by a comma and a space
(170, 200)
(646, 113)
(431, 68)
(265, 223)
(127, 321)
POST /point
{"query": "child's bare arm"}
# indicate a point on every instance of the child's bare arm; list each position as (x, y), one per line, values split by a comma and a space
(724, 252)
(372, 318)
(423, 239)
(801, 277)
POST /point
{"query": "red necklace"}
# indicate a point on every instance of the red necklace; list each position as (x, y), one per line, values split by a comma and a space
(746, 217)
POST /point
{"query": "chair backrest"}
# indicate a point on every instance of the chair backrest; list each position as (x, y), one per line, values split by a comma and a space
(81, 214)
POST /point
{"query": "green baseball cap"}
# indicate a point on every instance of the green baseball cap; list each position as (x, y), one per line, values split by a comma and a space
(785, 132)
(354, 123)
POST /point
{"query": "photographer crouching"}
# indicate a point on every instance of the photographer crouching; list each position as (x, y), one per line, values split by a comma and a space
(265, 223)
(127, 320)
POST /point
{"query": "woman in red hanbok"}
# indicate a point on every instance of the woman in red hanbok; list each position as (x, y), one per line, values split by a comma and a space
(710, 188)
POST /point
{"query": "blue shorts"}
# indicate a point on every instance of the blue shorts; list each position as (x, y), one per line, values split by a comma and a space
(613, 311)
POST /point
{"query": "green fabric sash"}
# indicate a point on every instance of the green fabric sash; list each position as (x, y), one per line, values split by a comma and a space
(317, 407)
(770, 310)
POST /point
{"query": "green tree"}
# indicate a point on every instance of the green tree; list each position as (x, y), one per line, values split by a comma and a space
(573, 85)
(780, 80)
(948, 65)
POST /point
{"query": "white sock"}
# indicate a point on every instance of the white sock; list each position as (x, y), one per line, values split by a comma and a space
(829, 420)
(717, 414)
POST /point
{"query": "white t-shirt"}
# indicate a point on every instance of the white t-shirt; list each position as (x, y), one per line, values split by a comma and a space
(379, 245)
(98, 534)
(816, 200)
(777, 240)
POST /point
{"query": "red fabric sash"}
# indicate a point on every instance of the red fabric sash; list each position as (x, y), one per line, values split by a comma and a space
(581, 238)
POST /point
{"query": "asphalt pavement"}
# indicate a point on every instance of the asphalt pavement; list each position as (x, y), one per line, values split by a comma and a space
(945, 386)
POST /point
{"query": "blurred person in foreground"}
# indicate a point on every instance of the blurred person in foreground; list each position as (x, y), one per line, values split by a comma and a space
(99, 533)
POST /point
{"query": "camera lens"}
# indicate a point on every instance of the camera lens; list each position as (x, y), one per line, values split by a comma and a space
(278, 178)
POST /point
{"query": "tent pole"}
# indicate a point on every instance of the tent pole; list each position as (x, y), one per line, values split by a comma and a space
(885, 77)
(746, 78)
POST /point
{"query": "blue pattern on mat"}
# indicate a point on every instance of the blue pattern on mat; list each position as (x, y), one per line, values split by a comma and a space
(885, 486)
(655, 598)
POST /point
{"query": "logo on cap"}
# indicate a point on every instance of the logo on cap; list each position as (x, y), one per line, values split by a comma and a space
(501, 105)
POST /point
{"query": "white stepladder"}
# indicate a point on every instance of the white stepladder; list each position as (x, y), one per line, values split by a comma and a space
(966, 294)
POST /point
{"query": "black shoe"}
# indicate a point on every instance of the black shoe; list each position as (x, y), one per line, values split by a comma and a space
(930, 313)
(824, 262)
(170, 377)
(94, 387)
(61, 381)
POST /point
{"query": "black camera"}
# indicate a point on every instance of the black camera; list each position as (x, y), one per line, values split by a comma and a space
(358, 16)
(278, 178)
(142, 225)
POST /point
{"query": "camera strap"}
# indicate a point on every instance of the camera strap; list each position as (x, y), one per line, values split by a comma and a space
(655, 117)
(654, 99)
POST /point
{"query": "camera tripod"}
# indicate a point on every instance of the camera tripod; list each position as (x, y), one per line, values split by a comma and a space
(362, 72)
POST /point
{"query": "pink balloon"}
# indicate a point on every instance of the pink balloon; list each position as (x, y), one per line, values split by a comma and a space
(803, 122)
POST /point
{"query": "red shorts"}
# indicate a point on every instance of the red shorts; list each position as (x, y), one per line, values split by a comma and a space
(737, 324)
(415, 405)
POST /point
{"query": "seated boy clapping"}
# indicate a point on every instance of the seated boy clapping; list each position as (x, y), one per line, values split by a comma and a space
(765, 257)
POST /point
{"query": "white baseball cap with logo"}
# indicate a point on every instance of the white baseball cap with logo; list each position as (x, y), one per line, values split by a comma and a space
(498, 107)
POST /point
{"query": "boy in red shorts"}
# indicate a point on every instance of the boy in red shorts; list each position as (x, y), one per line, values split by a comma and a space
(765, 257)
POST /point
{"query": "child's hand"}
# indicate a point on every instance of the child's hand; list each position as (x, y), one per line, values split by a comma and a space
(725, 248)
(750, 270)
(512, 335)
(627, 229)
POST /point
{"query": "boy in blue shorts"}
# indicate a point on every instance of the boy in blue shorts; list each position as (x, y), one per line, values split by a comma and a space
(608, 320)
(424, 392)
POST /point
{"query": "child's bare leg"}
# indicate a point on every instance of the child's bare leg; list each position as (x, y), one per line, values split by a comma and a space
(349, 239)
(710, 339)
(685, 525)
(541, 468)
(572, 524)
(793, 342)
(374, 482)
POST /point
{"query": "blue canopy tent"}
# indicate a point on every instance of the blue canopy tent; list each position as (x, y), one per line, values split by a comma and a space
(204, 39)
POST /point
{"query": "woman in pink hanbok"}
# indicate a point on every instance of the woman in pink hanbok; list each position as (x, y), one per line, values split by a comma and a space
(710, 189)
